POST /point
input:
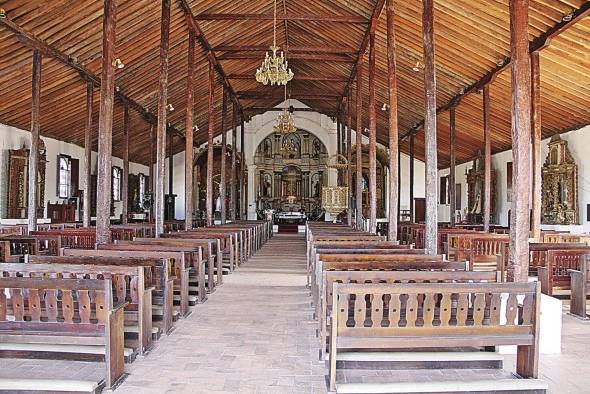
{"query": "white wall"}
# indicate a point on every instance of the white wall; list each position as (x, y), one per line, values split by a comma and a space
(578, 142)
(13, 138)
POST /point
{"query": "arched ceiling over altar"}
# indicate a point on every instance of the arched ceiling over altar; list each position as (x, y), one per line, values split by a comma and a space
(323, 40)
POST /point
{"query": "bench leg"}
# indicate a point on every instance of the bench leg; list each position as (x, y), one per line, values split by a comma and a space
(145, 321)
(114, 355)
(579, 293)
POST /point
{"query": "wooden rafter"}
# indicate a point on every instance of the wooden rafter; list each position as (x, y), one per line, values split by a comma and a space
(288, 17)
(537, 44)
(192, 23)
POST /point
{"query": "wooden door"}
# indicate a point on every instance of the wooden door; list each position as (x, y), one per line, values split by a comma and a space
(419, 210)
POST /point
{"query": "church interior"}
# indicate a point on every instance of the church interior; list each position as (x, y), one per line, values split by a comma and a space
(281, 196)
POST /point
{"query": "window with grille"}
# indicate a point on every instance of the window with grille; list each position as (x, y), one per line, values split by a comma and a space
(64, 176)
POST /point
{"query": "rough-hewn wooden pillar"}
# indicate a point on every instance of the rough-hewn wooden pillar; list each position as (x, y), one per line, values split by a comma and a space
(452, 189)
(189, 133)
(152, 161)
(338, 138)
(170, 176)
(125, 180)
(34, 152)
(487, 149)
(536, 144)
(359, 143)
(105, 125)
(211, 119)
(87, 154)
(372, 138)
(521, 139)
(431, 227)
(393, 125)
(243, 191)
(349, 154)
(411, 170)
(161, 130)
(234, 146)
(222, 181)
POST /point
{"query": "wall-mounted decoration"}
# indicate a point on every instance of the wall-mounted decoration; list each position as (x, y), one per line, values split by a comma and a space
(18, 182)
(559, 185)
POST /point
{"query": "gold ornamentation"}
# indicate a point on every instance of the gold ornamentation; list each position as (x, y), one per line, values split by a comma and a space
(334, 199)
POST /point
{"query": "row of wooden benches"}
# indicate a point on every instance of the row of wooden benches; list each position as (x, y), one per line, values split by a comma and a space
(370, 294)
(113, 301)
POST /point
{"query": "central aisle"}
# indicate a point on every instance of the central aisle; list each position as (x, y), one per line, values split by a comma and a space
(255, 334)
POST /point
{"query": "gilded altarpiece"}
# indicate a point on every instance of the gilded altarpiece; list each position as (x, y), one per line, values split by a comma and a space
(18, 183)
(559, 185)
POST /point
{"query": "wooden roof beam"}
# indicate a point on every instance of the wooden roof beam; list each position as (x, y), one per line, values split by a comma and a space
(292, 49)
(288, 17)
(319, 57)
(363, 48)
(30, 40)
(536, 45)
(294, 96)
(297, 77)
(192, 24)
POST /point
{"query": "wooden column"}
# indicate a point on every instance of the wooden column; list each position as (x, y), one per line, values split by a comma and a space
(338, 138)
(170, 175)
(152, 162)
(487, 178)
(452, 189)
(88, 154)
(243, 191)
(234, 146)
(372, 138)
(34, 152)
(125, 180)
(189, 133)
(162, 104)
(359, 143)
(521, 138)
(211, 119)
(105, 125)
(222, 180)
(349, 155)
(431, 227)
(393, 125)
(411, 177)
(536, 144)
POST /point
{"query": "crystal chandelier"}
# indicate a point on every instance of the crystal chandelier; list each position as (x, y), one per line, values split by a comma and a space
(274, 69)
(285, 121)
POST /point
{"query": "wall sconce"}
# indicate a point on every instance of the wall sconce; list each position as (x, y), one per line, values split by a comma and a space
(118, 64)
(385, 107)
(2, 13)
(418, 66)
(117, 89)
(500, 62)
(195, 128)
(568, 17)
(170, 107)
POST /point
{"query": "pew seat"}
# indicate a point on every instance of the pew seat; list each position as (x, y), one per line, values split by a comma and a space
(49, 386)
(453, 386)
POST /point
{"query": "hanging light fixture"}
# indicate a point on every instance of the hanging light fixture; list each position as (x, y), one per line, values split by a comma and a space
(274, 69)
(285, 121)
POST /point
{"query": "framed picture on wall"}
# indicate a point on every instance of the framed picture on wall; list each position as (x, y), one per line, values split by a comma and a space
(509, 181)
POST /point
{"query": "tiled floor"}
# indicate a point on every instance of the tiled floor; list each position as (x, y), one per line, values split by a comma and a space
(255, 334)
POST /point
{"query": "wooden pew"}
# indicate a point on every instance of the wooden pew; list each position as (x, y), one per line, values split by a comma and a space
(428, 319)
(158, 274)
(100, 318)
(330, 277)
(228, 242)
(555, 275)
(179, 262)
(486, 252)
(538, 252)
(82, 238)
(580, 284)
(192, 256)
(209, 245)
(14, 248)
(131, 285)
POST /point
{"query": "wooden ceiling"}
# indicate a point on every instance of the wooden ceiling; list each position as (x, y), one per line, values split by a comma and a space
(322, 39)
